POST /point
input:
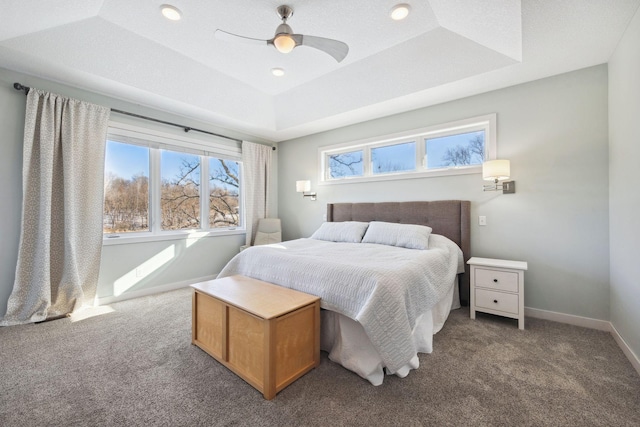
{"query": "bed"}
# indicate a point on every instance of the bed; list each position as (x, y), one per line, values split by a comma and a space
(382, 302)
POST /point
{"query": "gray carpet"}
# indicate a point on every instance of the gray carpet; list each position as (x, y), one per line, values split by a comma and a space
(136, 366)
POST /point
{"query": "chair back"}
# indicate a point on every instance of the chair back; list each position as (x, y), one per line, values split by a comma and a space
(269, 231)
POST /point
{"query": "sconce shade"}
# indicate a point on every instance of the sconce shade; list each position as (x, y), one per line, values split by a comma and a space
(496, 170)
(302, 186)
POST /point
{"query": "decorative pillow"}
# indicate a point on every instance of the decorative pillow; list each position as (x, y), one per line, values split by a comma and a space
(347, 231)
(409, 236)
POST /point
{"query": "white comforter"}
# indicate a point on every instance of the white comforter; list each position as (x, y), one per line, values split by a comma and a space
(384, 288)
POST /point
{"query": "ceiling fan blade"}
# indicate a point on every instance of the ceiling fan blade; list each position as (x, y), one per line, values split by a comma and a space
(337, 49)
(228, 37)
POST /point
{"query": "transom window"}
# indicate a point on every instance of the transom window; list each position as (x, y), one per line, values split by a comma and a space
(393, 158)
(462, 149)
(449, 149)
(345, 164)
(157, 184)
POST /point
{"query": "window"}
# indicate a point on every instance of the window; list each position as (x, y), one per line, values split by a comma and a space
(159, 185)
(224, 193)
(393, 158)
(461, 149)
(448, 149)
(344, 165)
(179, 190)
(126, 188)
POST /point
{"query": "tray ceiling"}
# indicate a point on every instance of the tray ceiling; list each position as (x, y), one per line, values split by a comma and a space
(442, 51)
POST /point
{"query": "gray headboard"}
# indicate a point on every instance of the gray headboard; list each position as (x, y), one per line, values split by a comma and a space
(450, 218)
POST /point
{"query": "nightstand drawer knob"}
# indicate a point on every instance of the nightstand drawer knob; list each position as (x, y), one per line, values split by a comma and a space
(495, 300)
(495, 280)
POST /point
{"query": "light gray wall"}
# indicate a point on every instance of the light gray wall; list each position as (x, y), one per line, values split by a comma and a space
(555, 133)
(191, 259)
(163, 263)
(624, 176)
(11, 134)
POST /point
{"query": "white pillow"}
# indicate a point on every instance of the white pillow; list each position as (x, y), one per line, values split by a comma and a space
(347, 231)
(409, 236)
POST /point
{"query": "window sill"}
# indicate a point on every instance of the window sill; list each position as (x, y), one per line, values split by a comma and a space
(123, 239)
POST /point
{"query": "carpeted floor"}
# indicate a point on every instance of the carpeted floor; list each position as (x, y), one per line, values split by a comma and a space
(136, 366)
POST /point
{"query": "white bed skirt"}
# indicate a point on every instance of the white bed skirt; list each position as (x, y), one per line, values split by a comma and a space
(347, 343)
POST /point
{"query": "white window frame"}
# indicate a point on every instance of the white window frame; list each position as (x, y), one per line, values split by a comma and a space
(486, 123)
(156, 141)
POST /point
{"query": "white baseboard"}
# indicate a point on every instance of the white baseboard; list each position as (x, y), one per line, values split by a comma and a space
(152, 290)
(585, 322)
(633, 358)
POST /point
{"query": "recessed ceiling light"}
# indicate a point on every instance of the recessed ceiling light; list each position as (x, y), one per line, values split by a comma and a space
(171, 12)
(400, 11)
(278, 72)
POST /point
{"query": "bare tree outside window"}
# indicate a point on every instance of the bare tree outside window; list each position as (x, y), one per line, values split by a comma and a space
(394, 158)
(346, 164)
(453, 148)
(456, 156)
(126, 204)
(224, 192)
(476, 147)
(127, 200)
(456, 150)
(126, 188)
(180, 194)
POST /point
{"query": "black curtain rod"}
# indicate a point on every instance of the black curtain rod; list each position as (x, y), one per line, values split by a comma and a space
(18, 86)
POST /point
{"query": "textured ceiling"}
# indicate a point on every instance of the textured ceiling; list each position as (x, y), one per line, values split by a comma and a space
(445, 49)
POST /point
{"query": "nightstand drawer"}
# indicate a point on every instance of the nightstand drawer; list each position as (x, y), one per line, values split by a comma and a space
(495, 279)
(500, 301)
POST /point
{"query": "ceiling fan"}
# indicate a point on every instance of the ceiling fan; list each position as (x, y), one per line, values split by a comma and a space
(285, 40)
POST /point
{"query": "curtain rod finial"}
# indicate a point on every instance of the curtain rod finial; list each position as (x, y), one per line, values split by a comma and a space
(18, 86)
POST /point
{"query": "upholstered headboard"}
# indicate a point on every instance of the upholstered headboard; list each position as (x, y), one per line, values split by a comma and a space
(450, 218)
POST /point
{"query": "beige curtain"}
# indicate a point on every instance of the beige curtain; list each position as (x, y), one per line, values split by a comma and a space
(63, 186)
(256, 163)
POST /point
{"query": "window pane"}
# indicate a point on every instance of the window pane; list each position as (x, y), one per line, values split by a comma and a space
(394, 158)
(126, 188)
(224, 183)
(180, 190)
(455, 150)
(345, 164)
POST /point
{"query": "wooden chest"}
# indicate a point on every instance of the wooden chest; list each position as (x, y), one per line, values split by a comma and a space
(268, 335)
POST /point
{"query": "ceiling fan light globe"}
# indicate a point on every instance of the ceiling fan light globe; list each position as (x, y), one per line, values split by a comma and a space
(284, 43)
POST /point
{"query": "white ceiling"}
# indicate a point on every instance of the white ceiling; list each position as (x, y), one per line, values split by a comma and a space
(444, 50)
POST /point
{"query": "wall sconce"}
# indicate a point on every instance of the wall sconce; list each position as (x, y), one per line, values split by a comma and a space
(498, 170)
(304, 187)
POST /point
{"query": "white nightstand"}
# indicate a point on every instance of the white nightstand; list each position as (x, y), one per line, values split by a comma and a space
(497, 287)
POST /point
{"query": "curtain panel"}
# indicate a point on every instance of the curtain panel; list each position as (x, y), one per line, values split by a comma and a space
(256, 160)
(63, 191)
